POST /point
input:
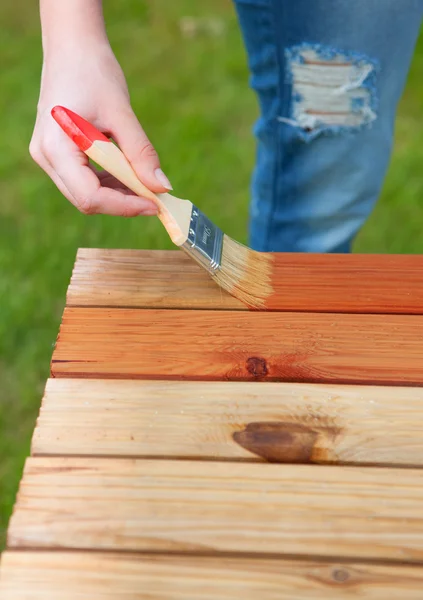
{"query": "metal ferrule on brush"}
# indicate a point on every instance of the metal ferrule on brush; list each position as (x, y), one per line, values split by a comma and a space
(205, 241)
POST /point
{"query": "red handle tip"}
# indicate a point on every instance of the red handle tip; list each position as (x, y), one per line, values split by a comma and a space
(78, 129)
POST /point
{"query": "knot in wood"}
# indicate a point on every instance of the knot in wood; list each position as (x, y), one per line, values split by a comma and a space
(278, 441)
(340, 575)
(257, 366)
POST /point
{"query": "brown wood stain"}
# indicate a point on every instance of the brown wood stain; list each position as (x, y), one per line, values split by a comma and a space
(239, 346)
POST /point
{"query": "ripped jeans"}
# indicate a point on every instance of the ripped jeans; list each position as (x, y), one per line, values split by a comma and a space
(328, 75)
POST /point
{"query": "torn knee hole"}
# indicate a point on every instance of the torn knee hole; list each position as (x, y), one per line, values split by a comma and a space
(332, 90)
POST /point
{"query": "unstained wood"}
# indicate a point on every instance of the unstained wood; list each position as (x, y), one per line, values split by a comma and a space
(239, 345)
(302, 282)
(214, 507)
(285, 422)
(111, 576)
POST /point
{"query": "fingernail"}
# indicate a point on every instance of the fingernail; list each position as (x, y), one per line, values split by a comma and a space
(162, 179)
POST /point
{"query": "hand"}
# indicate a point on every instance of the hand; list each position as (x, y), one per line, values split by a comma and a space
(91, 82)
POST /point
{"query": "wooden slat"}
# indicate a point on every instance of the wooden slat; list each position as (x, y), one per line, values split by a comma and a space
(238, 421)
(231, 345)
(97, 576)
(303, 282)
(206, 507)
(144, 279)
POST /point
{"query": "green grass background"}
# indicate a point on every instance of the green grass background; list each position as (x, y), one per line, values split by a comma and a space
(192, 95)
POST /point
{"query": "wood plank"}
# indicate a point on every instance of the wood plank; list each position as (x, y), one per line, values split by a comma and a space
(209, 507)
(223, 345)
(303, 282)
(144, 279)
(279, 422)
(107, 576)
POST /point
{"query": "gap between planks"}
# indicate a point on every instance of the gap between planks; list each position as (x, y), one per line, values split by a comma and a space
(186, 506)
(239, 346)
(103, 576)
(303, 282)
(282, 422)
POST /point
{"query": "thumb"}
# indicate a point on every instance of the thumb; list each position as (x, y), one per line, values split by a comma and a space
(134, 143)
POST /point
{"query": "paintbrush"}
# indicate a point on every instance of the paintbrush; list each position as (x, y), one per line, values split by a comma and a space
(242, 272)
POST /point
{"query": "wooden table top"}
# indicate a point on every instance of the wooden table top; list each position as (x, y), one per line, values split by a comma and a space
(188, 448)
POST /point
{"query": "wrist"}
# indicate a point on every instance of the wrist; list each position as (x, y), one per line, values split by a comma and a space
(72, 27)
(64, 58)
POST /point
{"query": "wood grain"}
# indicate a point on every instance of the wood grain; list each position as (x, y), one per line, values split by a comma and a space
(97, 576)
(236, 346)
(208, 507)
(144, 279)
(303, 282)
(236, 421)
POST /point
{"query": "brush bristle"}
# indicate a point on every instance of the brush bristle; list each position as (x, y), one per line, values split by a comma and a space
(245, 273)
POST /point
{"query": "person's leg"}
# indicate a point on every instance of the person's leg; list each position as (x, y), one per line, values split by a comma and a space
(328, 75)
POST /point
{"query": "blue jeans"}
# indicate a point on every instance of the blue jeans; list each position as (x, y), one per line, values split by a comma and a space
(328, 75)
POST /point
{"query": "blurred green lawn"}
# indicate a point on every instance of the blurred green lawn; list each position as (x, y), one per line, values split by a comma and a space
(191, 93)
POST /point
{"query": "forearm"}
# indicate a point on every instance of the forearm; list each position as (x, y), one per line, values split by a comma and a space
(67, 24)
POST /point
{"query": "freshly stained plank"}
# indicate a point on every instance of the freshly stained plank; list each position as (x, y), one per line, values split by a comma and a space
(240, 421)
(206, 507)
(97, 576)
(239, 345)
(303, 282)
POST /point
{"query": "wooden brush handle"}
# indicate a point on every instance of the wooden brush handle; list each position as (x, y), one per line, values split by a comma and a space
(174, 213)
(110, 158)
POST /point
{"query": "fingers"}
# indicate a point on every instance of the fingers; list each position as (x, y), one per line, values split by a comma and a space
(90, 197)
(89, 191)
(69, 169)
(109, 181)
(138, 149)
